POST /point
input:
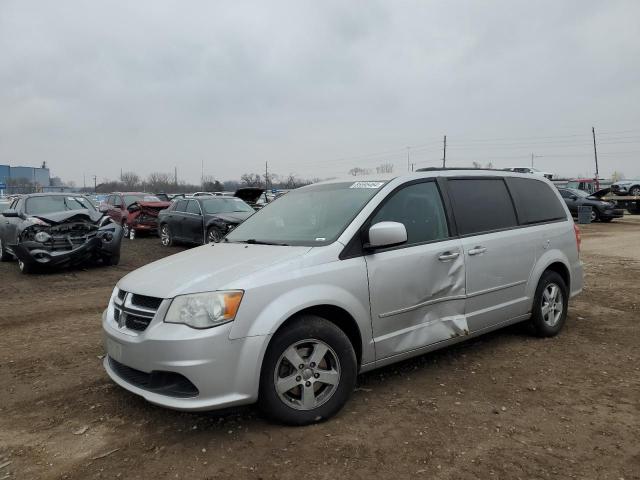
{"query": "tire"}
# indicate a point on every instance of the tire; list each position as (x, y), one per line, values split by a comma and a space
(125, 230)
(595, 215)
(113, 260)
(606, 220)
(4, 255)
(214, 235)
(635, 191)
(549, 312)
(634, 210)
(166, 239)
(24, 268)
(310, 399)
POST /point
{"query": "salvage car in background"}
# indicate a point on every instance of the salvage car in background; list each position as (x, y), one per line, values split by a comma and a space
(201, 219)
(252, 195)
(626, 187)
(57, 229)
(601, 210)
(136, 211)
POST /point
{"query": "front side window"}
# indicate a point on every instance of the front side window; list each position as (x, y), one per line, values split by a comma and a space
(57, 203)
(181, 205)
(419, 208)
(481, 205)
(310, 216)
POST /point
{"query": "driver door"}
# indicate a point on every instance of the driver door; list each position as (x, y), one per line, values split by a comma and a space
(417, 290)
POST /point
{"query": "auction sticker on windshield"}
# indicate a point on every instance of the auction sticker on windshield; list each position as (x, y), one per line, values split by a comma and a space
(367, 185)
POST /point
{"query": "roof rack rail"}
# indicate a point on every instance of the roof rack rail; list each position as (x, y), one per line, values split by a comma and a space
(433, 169)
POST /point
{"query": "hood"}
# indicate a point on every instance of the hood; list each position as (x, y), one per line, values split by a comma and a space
(600, 193)
(249, 194)
(206, 268)
(231, 217)
(68, 215)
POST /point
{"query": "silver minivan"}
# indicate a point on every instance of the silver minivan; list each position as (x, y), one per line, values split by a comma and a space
(338, 278)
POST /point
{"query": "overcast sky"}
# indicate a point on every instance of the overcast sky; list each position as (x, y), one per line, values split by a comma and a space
(316, 88)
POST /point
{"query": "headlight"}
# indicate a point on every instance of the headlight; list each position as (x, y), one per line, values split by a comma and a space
(204, 310)
(42, 237)
(37, 221)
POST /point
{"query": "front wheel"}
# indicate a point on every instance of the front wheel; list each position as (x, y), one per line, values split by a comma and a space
(550, 305)
(25, 268)
(214, 235)
(126, 231)
(635, 191)
(308, 372)
(4, 255)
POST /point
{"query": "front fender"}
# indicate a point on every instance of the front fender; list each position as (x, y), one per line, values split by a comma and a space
(283, 307)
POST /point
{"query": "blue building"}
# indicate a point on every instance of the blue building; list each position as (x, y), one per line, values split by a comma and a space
(31, 175)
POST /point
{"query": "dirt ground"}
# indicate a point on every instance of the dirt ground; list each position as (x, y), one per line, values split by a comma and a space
(503, 406)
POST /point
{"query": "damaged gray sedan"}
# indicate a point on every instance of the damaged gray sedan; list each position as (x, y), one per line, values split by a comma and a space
(57, 230)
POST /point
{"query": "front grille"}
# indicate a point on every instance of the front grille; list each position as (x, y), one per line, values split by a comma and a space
(146, 302)
(165, 383)
(135, 312)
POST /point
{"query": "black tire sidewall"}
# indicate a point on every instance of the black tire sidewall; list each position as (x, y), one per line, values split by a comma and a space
(307, 327)
(541, 328)
(214, 229)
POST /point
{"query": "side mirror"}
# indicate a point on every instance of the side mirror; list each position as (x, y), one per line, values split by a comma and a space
(10, 214)
(386, 234)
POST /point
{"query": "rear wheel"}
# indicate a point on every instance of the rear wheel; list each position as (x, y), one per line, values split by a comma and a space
(165, 235)
(308, 372)
(550, 305)
(4, 255)
(635, 191)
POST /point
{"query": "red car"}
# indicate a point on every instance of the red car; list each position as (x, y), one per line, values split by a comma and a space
(134, 211)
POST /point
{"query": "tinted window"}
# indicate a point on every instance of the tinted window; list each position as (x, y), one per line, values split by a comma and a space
(116, 201)
(565, 193)
(193, 207)
(535, 201)
(481, 205)
(181, 205)
(419, 208)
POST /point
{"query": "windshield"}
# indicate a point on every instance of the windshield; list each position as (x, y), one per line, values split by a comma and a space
(310, 216)
(129, 199)
(56, 203)
(225, 205)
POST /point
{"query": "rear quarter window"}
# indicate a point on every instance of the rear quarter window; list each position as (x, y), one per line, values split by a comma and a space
(481, 205)
(535, 201)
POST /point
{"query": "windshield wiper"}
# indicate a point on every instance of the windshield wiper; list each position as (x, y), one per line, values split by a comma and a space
(253, 241)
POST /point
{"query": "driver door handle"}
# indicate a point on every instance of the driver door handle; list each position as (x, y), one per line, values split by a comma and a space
(477, 250)
(446, 256)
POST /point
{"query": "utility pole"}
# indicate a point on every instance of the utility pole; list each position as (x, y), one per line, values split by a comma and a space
(95, 184)
(595, 154)
(408, 159)
(175, 175)
(534, 156)
(266, 177)
(202, 173)
(444, 153)
(84, 182)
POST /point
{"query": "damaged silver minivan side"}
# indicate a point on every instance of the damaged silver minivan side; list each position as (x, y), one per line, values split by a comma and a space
(338, 278)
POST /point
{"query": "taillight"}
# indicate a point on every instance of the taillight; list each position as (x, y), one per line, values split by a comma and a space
(576, 229)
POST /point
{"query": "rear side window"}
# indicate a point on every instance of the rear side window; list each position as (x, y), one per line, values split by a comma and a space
(535, 201)
(193, 207)
(481, 205)
(181, 206)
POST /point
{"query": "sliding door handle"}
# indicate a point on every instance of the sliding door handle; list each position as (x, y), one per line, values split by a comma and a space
(446, 256)
(477, 250)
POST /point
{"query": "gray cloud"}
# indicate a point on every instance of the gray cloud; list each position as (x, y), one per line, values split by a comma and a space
(93, 87)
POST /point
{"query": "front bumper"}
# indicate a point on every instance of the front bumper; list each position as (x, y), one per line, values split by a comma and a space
(225, 372)
(612, 213)
(36, 255)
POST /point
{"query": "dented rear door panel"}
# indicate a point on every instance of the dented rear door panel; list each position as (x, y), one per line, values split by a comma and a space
(417, 298)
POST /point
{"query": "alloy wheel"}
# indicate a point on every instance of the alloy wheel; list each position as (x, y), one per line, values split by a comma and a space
(307, 374)
(635, 191)
(165, 236)
(552, 304)
(213, 236)
(125, 230)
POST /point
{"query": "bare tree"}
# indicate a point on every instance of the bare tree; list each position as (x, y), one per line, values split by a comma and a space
(252, 179)
(617, 176)
(130, 180)
(476, 165)
(385, 168)
(355, 171)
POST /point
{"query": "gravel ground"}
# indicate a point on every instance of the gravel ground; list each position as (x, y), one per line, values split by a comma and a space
(504, 406)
